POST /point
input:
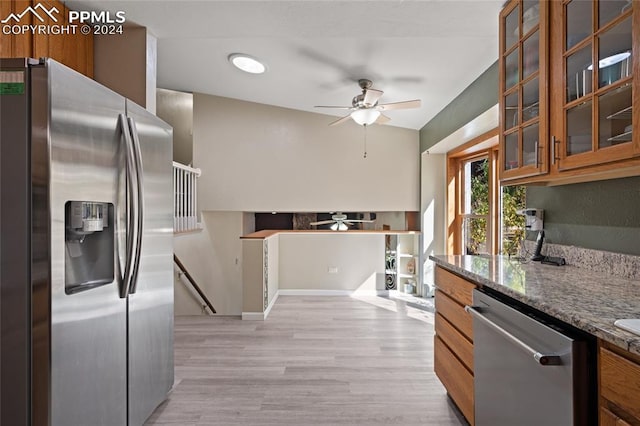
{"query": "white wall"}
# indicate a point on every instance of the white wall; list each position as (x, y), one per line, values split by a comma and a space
(305, 260)
(213, 258)
(433, 210)
(176, 108)
(257, 157)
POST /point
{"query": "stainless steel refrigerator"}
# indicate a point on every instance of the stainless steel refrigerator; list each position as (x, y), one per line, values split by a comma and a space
(86, 226)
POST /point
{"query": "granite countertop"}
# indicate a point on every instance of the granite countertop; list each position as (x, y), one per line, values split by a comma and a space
(590, 301)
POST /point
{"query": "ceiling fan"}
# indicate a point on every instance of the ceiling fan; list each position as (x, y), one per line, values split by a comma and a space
(340, 222)
(366, 110)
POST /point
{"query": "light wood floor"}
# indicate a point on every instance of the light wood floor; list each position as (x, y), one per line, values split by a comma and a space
(315, 361)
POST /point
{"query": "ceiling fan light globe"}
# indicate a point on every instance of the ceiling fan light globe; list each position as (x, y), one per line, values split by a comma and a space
(365, 117)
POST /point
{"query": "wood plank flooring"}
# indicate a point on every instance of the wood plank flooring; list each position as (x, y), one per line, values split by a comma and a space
(315, 361)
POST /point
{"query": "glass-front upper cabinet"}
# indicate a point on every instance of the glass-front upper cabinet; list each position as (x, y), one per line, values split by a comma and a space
(595, 100)
(524, 49)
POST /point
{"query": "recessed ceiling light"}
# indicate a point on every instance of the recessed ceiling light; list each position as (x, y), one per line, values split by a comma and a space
(247, 63)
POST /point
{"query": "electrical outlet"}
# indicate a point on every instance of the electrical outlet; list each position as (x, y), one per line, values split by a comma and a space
(332, 269)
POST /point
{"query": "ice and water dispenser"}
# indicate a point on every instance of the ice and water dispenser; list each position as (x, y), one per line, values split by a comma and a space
(89, 235)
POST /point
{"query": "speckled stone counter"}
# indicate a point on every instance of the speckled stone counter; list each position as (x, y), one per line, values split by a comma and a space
(586, 299)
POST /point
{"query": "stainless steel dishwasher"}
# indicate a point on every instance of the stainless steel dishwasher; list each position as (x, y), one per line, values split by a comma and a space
(529, 369)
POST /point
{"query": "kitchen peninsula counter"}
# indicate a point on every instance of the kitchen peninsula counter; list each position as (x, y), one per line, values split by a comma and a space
(321, 262)
(260, 235)
(587, 300)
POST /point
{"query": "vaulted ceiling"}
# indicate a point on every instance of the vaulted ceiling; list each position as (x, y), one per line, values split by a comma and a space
(315, 51)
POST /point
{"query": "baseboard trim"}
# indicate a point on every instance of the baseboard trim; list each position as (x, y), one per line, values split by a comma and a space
(273, 301)
(261, 316)
(301, 292)
(253, 316)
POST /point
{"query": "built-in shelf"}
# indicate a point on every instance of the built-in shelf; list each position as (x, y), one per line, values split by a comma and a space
(406, 255)
(624, 137)
(624, 114)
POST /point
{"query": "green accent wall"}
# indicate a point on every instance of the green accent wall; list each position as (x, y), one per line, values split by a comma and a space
(478, 97)
(602, 215)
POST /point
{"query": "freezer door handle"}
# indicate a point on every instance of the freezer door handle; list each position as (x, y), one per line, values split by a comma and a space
(131, 224)
(540, 358)
(139, 204)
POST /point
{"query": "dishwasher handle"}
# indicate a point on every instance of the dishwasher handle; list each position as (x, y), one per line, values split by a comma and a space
(540, 358)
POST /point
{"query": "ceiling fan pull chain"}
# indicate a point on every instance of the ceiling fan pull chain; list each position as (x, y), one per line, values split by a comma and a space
(365, 141)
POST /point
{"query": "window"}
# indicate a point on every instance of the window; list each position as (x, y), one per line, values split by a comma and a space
(482, 216)
(475, 214)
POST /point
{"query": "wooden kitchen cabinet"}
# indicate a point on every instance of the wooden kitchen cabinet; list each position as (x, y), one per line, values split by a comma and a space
(20, 45)
(453, 342)
(524, 49)
(588, 127)
(593, 105)
(72, 50)
(619, 378)
(607, 418)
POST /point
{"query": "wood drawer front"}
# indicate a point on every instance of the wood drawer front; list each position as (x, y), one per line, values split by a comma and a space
(455, 340)
(455, 378)
(455, 314)
(607, 418)
(457, 288)
(620, 381)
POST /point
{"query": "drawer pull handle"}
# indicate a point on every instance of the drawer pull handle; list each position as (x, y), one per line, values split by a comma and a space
(540, 358)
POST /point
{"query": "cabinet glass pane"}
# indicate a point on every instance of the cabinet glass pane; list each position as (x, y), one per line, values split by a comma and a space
(511, 151)
(530, 15)
(579, 23)
(530, 53)
(608, 10)
(579, 74)
(614, 56)
(579, 129)
(511, 71)
(530, 136)
(615, 117)
(530, 100)
(511, 111)
(512, 28)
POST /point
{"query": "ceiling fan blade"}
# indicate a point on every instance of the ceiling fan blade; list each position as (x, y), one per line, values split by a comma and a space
(358, 220)
(399, 105)
(332, 107)
(382, 119)
(371, 96)
(340, 120)
(322, 222)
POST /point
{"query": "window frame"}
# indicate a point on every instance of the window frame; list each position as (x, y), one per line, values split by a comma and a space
(483, 146)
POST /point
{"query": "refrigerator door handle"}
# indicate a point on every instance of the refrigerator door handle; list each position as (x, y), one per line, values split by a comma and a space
(131, 194)
(139, 205)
